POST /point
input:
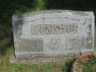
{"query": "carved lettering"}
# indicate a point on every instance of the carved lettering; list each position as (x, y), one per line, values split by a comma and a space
(46, 29)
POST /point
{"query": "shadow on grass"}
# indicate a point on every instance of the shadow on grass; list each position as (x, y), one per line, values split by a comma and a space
(68, 66)
(5, 44)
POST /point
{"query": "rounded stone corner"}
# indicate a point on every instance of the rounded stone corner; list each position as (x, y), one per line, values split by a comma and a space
(14, 16)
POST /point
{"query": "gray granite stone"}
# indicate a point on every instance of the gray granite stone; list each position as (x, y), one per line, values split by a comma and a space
(53, 33)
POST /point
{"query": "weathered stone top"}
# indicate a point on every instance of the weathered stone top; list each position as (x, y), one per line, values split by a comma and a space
(67, 12)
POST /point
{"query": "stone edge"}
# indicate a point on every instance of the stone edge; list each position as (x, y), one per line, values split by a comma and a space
(61, 60)
(72, 12)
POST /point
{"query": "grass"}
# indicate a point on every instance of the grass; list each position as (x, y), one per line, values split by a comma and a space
(30, 68)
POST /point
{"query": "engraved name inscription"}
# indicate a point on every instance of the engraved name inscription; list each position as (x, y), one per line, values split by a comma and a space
(47, 29)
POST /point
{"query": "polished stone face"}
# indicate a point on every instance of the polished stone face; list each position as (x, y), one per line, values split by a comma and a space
(53, 33)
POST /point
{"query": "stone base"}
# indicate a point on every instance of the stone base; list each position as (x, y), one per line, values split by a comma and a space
(60, 61)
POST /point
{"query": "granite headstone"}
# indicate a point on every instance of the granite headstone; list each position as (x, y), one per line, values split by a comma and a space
(53, 33)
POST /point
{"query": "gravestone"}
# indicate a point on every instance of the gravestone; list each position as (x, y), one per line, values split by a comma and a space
(53, 33)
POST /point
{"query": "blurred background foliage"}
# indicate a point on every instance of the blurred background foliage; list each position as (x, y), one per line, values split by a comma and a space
(10, 7)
